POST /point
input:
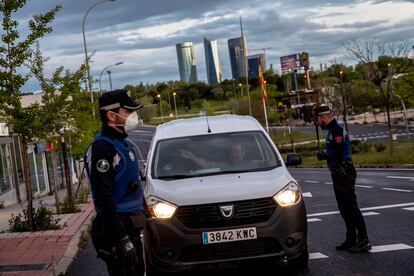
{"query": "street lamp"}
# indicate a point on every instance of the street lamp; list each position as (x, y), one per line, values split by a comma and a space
(110, 80)
(86, 50)
(103, 70)
(175, 105)
(241, 89)
(162, 116)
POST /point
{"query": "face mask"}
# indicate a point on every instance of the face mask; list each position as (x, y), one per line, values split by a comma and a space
(131, 121)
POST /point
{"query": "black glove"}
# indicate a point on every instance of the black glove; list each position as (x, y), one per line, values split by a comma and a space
(128, 256)
(321, 155)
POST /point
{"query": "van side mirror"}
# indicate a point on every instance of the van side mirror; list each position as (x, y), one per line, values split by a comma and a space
(293, 159)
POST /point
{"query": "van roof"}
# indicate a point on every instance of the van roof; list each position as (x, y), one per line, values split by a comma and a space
(198, 126)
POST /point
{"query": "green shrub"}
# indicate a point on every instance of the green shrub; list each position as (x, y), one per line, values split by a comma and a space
(359, 147)
(69, 205)
(82, 195)
(42, 220)
(380, 147)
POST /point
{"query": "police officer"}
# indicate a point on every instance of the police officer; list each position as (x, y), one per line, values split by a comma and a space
(113, 172)
(338, 156)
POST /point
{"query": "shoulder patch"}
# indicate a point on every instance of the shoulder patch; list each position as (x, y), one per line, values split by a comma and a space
(338, 139)
(102, 165)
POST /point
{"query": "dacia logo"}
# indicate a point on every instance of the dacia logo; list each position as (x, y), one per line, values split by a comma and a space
(227, 210)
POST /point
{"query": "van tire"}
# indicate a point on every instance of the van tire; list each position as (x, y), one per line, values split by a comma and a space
(300, 262)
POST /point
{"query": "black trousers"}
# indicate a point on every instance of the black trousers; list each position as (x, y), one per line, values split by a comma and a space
(106, 247)
(344, 188)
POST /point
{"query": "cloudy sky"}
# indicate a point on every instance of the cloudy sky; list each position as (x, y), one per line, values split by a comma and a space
(143, 33)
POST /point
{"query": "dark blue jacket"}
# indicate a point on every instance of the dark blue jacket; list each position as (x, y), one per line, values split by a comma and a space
(338, 146)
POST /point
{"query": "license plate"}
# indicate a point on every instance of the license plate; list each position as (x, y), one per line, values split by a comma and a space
(229, 235)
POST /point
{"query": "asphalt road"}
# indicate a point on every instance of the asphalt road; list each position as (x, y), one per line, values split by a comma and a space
(370, 132)
(385, 196)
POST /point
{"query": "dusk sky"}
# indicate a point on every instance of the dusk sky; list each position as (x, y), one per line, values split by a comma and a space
(143, 34)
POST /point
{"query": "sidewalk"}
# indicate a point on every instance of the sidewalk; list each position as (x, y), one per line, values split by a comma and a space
(44, 252)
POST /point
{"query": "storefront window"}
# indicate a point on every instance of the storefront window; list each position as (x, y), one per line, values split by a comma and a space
(4, 169)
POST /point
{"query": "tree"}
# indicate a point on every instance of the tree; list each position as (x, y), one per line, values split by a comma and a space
(378, 61)
(14, 53)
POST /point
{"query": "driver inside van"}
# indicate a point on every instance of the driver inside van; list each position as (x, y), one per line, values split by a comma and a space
(237, 158)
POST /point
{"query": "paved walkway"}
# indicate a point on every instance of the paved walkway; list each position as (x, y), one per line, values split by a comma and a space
(44, 252)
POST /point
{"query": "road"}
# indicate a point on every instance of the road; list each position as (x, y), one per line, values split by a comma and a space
(385, 196)
(370, 132)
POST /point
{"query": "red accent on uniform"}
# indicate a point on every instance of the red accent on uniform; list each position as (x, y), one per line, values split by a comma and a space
(338, 139)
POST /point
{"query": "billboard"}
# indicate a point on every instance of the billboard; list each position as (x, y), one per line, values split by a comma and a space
(290, 62)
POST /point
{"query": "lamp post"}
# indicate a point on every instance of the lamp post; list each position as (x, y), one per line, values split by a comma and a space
(86, 50)
(162, 116)
(234, 88)
(103, 70)
(175, 105)
(344, 100)
(241, 89)
(110, 80)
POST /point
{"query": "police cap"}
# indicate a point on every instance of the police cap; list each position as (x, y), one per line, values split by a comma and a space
(117, 98)
(322, 110)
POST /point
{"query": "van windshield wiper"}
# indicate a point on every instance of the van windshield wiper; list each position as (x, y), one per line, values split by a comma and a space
(175, 176)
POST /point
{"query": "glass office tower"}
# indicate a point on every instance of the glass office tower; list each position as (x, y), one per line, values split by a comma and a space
(186, 62)
(237, 57)
(253, 62)
(213, 66)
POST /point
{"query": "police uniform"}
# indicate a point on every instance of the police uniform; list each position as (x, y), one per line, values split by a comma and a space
(343, 173)
(112, 168)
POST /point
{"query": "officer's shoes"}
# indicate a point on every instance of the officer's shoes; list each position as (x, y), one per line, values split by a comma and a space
(362, 246)
(347, 244)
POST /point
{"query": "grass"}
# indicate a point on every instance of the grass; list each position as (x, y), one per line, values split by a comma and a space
(283, 137)
(403, 154)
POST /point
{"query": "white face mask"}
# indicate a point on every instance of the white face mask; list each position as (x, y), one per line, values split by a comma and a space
(131, 121)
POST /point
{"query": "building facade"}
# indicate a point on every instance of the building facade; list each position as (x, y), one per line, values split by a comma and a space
(186, 62)
(236, 52)
(213, 66)
(253, 64)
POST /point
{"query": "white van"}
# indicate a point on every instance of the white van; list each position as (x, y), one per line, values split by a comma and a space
(218, 192)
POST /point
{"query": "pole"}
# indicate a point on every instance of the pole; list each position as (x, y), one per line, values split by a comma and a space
(66, 165)
(405, 115)
(241, 90)
(175, 105)
(86, 52)
(317, 137)
(265, 113)
(110, 79)
(103, 70)
(162, 116)
(245, 65)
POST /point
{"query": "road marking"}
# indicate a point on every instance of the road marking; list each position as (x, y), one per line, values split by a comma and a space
(397, 190)
(329, 183)
(363, 186)
(369, 214)
(390, 247)
(314, 220)
(364, 209)
(400, 177)
(409, 209)
(311, 181)
(317, 255)
(308, 194)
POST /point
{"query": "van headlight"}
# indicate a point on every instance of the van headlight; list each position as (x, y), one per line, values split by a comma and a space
(289, 195)
(159, 208)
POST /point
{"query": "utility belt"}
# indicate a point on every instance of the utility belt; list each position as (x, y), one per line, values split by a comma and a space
(342, 168)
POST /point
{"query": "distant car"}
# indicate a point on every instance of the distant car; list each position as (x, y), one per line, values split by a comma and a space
(218, 192)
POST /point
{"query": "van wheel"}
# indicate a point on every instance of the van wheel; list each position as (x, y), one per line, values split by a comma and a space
(300, 262)
(150, 269)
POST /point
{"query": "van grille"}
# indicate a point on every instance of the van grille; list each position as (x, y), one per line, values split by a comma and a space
(208, 215)
(222, 251)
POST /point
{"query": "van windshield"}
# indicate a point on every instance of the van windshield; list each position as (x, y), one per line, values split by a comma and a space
(213, 154)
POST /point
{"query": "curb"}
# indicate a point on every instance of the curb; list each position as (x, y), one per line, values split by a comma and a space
(72, 250)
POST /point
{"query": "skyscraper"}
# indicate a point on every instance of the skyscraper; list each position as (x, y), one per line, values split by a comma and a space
(213, 66)
(237, 57)
(186, 62)
(253, 62)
